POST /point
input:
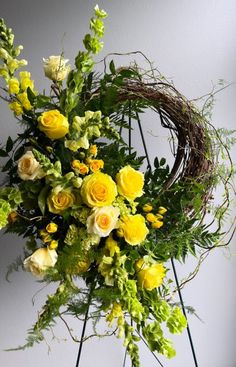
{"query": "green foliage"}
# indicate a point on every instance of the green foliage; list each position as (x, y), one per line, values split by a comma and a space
(177, 322)
(131, 346)
(84, 62)
(156, 341)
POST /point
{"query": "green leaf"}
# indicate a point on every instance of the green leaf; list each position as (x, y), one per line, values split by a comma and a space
(19, 152)
(9, 144)
(3, 153)
(43, 198)
(31, 96)
(112, 67)
(8, 165)
(162, 161)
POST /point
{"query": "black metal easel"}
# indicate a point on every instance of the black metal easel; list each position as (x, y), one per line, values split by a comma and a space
(172, 264)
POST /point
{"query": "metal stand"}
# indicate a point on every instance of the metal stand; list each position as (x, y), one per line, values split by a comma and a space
(172, 263)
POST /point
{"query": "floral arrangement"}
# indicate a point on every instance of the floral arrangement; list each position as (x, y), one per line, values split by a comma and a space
(87, 211)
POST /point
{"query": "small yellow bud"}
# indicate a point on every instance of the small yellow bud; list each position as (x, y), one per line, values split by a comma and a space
(43, 233)
(53, 245)
(51, 227)
(157, 224)
(46, 238)
(151, 217)
(147, 208)
(162, 210)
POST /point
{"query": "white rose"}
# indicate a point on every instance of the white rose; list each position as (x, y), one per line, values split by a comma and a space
(40, 260)
(103, 220)
(29, 168)
(55, 68)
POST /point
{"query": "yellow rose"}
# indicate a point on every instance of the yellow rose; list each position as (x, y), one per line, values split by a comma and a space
(40, 260)
(98, 189)
(149, 276)
(55, 68)
(96, 164)
(53, 124)
(13, 86)
(58, 201)
(16, 108)
(29, 168)
(133, 229)
(130, 182)
(103, 220)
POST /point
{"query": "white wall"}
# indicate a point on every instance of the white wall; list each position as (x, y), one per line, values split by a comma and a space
(193, 42)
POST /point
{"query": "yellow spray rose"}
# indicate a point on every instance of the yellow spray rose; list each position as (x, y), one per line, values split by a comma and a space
(103, 220)
(53, 124)
(96, 164)
(98, 189)
(130, 182)
(40, 260)
(133, 229)
(58, 201)
(149, 276)
(79, 167)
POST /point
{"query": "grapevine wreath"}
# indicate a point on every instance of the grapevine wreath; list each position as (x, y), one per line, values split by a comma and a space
(97, 224)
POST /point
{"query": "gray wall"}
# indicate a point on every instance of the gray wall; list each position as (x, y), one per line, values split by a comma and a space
(192, 42)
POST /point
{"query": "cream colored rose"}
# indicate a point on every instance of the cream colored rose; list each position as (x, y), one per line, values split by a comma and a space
(40, 260)
(29, 168)
(55, 68)
(103, 220)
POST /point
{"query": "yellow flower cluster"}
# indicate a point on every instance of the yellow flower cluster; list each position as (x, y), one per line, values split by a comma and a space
(18, 89)
(46, 235)
(156, 220)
